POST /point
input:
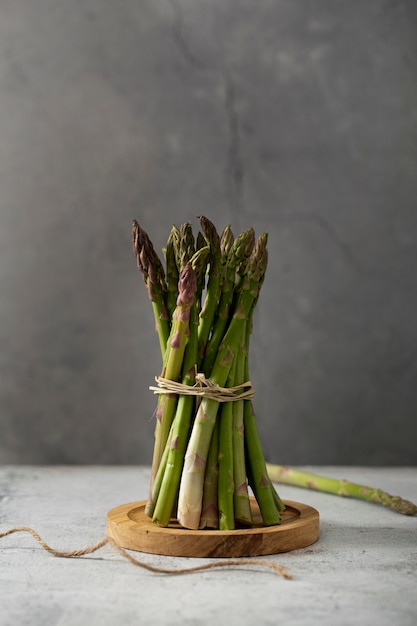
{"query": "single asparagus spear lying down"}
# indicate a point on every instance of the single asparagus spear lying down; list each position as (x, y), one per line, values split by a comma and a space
(290, 476)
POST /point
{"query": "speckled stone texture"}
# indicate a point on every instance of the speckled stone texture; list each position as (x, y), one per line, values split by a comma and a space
(298, 118)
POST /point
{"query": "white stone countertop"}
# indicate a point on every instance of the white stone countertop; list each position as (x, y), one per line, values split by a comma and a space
(361, 571)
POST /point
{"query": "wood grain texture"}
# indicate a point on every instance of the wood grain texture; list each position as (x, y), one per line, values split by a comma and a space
(131, 528)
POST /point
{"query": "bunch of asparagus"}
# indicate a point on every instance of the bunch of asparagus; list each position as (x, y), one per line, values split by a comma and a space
(207, 450)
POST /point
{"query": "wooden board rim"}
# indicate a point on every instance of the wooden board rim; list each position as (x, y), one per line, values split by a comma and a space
(132, 529)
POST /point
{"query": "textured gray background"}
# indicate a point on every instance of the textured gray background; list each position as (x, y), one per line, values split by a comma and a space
(299, 118)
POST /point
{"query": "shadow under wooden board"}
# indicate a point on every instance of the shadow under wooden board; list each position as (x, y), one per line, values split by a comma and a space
(131, 528)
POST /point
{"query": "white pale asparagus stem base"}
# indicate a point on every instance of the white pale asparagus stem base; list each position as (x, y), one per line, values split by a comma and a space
(191, 485)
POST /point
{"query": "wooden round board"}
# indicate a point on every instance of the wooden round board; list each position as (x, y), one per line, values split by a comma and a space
(132, 529)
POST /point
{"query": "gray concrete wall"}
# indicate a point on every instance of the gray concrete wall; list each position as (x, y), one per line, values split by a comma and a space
(298, 118)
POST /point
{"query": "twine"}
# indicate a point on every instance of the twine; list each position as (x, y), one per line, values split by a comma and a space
(277, 569)
(204, 388)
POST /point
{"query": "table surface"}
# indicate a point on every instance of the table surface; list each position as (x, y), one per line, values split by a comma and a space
(362, 570)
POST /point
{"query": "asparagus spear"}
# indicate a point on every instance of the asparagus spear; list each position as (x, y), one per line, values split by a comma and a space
(298, 478)
(260, 481)
(154, 277)
(172, 368)
(191, 485)
(213, 286)
(172, 272)
(226, 482)
(270, 504)
(243, 513)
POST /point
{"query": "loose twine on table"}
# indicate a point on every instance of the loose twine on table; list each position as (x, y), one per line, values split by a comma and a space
(277, 569)
(205, 388)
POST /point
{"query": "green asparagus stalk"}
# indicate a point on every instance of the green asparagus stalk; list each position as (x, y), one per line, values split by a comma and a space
(210, 514)
(221, 316)
(213, 291)
(172, 369)
(291, 476)
(191, 485)
(157, 480)
(172, 272)
(260, 481)
(270, 504)
(153, 274)
(243, 513)
(226, 484)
